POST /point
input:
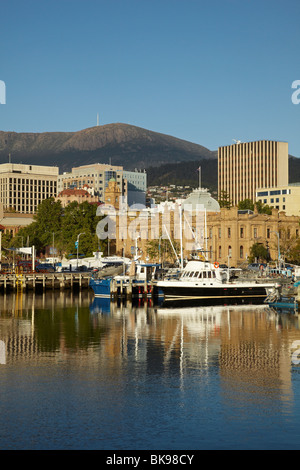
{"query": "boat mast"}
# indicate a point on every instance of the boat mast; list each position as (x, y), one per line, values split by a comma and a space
(181, 247)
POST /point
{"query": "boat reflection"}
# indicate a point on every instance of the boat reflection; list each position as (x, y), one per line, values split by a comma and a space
(100, 306)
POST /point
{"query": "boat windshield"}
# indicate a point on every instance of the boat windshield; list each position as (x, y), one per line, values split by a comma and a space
(200, 274)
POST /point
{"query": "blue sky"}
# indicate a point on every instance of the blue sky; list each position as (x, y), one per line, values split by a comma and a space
(204, 71)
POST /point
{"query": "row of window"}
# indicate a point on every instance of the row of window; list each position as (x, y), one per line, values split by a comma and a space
(274, 192)
(255, 233)
(200, 275)
(229, 252)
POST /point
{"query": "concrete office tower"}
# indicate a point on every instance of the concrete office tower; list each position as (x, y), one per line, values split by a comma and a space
(245, 167)
(24, 187)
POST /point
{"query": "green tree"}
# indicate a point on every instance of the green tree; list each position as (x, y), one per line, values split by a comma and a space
(162, 249)
(247, 204)
(263, 208)
(47, 221)
(52, 221)
(81, 218)
(294, 254)
(260, 252)
(224, 200)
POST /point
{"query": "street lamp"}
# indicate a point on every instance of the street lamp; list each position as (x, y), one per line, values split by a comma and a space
(77, 245)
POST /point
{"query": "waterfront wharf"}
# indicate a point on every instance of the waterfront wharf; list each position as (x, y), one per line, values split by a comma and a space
(133, 289)
(43, 281)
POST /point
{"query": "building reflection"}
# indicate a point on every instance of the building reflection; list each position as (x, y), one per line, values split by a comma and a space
(247, 346)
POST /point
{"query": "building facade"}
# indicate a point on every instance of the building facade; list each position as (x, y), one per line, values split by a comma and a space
(24, 187)
(11, 222)
(75, 195)
(227, 237)
(243, 168)
(136, 187)
(284, 198)
(132, 184)
(95, 176)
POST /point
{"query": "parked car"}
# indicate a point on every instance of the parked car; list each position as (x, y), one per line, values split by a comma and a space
(44, 268)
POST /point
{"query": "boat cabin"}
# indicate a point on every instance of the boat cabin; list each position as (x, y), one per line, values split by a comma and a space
(196, 270)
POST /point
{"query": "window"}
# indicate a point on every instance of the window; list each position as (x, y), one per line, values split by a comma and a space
(241, 252)
(255, 232)
(274, 193)
(229, 232)
(268, 233)
(242, 232)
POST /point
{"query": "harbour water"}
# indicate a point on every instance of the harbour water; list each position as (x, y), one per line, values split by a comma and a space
(77, 373)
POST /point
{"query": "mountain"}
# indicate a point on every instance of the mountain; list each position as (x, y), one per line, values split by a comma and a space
(185, 173)
(294, 169)
(122, 144)
(168, 160)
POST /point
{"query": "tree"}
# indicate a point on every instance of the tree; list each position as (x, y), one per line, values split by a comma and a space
(260, 252)
(263, 208)
(47, 220)
(162, 249)
(81, 218)
(224, 200)
(52, 221)
(294, 254)
(247, 204)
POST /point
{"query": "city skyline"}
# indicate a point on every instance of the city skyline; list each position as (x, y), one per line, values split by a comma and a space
(205, 72)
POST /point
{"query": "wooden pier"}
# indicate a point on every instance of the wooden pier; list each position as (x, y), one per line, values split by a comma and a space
(43, 281)
(129, 290)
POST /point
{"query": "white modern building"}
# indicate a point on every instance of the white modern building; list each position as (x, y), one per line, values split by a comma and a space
(284, 198)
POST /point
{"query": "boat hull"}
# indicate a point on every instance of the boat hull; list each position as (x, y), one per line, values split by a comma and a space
(179, 292)
(101, 287)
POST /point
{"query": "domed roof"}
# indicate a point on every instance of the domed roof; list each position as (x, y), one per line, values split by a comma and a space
(201, 197)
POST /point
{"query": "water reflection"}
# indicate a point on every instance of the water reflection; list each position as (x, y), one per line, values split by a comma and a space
(132, 361)
(249, 347)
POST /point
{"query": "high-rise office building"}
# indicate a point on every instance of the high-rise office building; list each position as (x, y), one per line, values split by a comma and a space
(95, 176)
(245, 167)
(136, 187)
(24, 187)
(132, 184)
